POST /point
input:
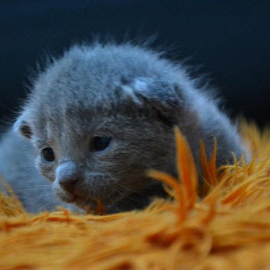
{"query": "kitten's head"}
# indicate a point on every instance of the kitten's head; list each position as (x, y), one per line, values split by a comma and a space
(99, 118)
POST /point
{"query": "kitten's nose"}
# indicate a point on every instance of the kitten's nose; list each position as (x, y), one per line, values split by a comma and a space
(68, 174)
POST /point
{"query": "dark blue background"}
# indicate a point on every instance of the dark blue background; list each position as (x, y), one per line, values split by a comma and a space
(230, 38)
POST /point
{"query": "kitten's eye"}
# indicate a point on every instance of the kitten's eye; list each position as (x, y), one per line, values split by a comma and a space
(100, 143)
(47, 154)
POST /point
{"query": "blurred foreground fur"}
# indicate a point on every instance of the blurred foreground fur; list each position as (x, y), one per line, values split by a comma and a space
(228, 229)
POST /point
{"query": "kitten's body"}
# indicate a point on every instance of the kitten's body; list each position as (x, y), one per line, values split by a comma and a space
(123, 92)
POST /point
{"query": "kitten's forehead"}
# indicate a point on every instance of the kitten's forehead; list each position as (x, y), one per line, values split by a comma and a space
(94, 73)
(78, 124)
(49, 123)
(91, 83)
(77, 92)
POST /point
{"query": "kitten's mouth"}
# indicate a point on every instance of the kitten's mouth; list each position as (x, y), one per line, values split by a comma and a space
(86, 203)
(80, 201)
(113, 203)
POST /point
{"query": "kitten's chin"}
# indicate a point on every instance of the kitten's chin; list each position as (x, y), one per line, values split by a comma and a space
(113, 203)
(87, 204)
(92, 205)
(84, 203)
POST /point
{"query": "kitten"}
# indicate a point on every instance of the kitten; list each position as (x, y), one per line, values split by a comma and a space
(98, 118)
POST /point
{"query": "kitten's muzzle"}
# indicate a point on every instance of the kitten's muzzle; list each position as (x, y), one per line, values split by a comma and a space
(68, 174)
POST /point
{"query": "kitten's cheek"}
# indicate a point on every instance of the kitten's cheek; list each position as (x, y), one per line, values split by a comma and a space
(49, 175)
(47, 172)
(61, 194)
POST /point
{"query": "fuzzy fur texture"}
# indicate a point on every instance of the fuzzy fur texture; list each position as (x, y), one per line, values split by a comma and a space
(128, 93)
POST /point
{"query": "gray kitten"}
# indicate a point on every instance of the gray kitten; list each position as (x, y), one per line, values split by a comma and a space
(98, 118)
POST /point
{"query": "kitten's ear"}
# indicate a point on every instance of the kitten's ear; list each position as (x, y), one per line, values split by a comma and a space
(163, 97)
(22, 127)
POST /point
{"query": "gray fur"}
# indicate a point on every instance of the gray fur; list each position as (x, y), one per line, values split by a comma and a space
(126, 92)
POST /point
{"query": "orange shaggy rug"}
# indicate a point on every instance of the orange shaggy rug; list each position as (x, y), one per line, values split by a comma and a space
(229, 228)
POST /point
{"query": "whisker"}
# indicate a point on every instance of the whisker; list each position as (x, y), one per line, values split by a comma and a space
(32, 188)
